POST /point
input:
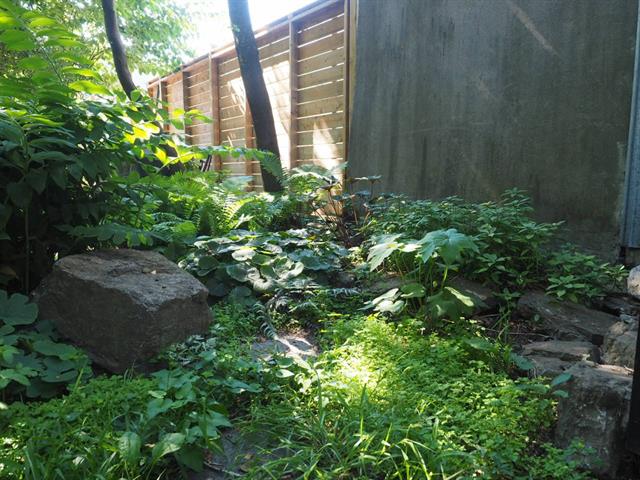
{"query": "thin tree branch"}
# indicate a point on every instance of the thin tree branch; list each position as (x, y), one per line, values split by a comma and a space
(117, 47)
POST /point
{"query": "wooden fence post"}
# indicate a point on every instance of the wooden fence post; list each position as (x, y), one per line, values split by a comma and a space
(293, 93)
(185, 104)
(162, 94)
(248, 139)
(214, 90)
(346, 73)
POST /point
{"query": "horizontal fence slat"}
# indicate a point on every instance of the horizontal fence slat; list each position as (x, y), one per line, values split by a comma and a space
(330, 150)
(321, 76)
(327, 59)
(271, 50)
(321, 46)
(323, 91)
(323, 29)
(330, 105)
(320, 122)
(331, 135)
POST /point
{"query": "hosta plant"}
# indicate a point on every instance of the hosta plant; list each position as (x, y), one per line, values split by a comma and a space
(245, 263)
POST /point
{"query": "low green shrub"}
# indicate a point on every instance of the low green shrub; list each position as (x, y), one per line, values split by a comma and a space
(580, 277)
(510, 244)
(513, 251)
(424, 266)
(33, 363)
(244, 262)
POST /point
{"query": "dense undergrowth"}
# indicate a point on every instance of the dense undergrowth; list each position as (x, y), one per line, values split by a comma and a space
(407, 385)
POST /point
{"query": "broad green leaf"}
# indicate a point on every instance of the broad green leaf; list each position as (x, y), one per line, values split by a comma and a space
(34, 63)
(129, 445)
(60, 350)
(17, 40)
(240, 272)
(560, 393)
(37, 179)
(50, 155)
(161, 154)
(169, 443)
(449, 303)
(479, 343)
(16, 310)
(82, 72)
(47, 142)
(413, 290)
(12, 375)
(449, 244)
(560, 379)
(7, 20)
(384, 247)
(90, 87)
(243, 254)
(41, 21)
(191, 456)
(60, 377)
(11, 131)
(521, 362)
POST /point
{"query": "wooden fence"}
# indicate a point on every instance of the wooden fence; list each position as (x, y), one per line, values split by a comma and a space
(305, 60)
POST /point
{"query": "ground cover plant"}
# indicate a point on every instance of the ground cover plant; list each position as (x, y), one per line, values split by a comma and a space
(383, 401)
(136, 427)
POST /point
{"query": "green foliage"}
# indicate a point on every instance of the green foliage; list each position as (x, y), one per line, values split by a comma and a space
(156, 33)
(61, 153)
(32, 361)
(558, 463)
(245, 262)
(156, 427)
(386, 402)
(424, 266)
(510, 244)
(513, 251)
(579, 277)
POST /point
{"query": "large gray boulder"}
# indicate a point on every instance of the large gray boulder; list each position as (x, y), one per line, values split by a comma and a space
(596, 412)
(566, 320)
(123, 306)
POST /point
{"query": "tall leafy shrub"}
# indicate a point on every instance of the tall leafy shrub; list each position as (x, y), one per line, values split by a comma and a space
(64, 142)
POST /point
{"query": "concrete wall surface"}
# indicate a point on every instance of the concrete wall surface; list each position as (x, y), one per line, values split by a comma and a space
(473, 97)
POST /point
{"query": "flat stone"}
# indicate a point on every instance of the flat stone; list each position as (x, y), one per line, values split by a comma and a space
(123, 306)
(596, 411)
(295, 346)
(621, 304)
(384, 284)
(548, 366)
(620, 343)
(566, 320)
(569, 351)
(483, 297)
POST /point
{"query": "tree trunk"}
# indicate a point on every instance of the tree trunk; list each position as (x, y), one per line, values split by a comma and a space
(117, 47)
(255, 88)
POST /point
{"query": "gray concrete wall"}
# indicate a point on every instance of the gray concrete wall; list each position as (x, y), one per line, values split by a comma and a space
(472, 97)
